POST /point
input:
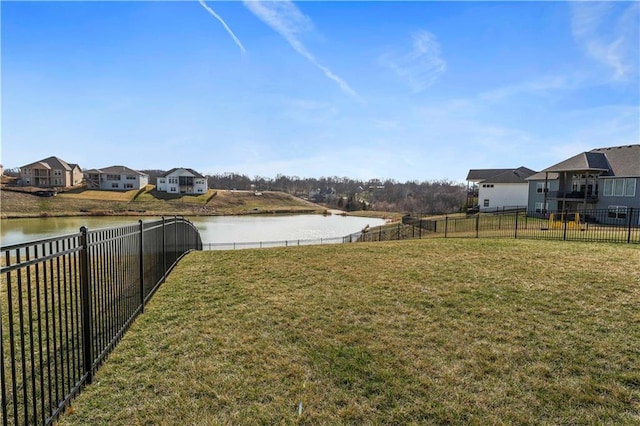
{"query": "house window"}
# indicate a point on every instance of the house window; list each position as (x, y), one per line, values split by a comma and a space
(486, 202)
(128, 185)
(161, 180)
(57, 181)
(620, 187)
(57, 172)
(114, 185)
(113, 177)
(173, 180)
(173, 189)
(131, 177)
(540, 209)
(617, 212)
(630, 188)
(199, 189)
(487, 185)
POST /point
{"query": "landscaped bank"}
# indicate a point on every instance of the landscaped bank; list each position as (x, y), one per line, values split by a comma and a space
(151, 203)
(427, 331)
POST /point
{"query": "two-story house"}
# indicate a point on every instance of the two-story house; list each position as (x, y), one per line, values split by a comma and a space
(181, 180)
(116, 178)
(498, 188)
(51, 172)
(600, 179)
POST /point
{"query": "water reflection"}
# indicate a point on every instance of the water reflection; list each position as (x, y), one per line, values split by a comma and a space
(214, 229)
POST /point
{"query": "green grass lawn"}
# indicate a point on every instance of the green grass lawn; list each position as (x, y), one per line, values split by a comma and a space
(422, 331)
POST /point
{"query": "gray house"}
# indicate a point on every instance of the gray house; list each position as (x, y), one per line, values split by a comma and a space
(603, 179)
(116, 178)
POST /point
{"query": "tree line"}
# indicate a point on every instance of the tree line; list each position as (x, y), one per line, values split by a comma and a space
(429, 197)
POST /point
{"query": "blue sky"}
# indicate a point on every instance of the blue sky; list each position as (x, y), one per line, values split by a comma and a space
(400, 90)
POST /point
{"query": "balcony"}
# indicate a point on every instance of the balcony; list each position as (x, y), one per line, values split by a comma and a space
(573, 196)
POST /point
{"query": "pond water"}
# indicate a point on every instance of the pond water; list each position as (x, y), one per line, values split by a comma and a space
(213, 229)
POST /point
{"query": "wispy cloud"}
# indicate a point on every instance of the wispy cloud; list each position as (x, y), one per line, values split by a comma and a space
(421, 66)
(541, 86)
(224, 24)
(288, 21)
(608, 32)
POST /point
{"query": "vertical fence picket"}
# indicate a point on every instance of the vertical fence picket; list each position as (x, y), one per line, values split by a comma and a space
(68, 301)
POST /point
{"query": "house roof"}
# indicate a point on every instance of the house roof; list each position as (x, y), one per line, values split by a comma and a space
(51, 163)
(624, 160)
(518, 175)
(477, 175)
(612, 161)
(543, 176)
(116, 170)
(193, 172)
(500, 175)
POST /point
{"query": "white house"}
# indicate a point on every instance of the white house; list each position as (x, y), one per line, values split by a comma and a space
(182, 181)
(116, 178)
(501, 188)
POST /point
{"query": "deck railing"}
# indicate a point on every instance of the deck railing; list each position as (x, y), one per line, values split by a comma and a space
(66, 301)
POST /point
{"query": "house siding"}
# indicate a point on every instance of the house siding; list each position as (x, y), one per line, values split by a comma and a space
(501, 195)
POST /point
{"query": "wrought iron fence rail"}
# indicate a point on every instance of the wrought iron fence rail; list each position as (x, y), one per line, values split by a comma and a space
(65, 302)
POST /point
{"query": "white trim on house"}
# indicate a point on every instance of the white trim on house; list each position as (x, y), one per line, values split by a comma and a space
(182, 181)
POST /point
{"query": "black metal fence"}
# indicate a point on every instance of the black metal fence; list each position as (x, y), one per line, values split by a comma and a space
(65, 302)
(619, 225)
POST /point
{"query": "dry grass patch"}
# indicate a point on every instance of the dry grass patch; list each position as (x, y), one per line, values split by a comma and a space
(422, 331)
(91, 194)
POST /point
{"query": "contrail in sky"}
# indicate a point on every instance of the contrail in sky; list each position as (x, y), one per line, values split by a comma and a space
(287, 20)
(226, 27)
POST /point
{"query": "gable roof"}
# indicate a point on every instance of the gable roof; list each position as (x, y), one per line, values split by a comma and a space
(193, 172)
(518, 175)
(477, 175)
(623, 160)
(116, 170)
(612, 161)
(51, 163)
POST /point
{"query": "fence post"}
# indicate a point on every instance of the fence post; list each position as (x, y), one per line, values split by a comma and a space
(85, 300)
(446, 225)
(515, 233)
(420, 230)
(477, 225)
(164, 250)
(141, 254)
(630, 216)
(564, 220)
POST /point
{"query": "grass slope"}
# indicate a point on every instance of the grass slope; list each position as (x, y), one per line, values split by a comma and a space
(92, 202)
(422, 331)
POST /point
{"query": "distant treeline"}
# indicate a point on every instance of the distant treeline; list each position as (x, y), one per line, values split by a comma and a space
(351, 194)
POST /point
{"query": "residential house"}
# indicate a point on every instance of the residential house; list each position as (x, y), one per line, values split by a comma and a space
(51, 172)
(117, 178)
(498, 188)
(600, 179)
(182, 181)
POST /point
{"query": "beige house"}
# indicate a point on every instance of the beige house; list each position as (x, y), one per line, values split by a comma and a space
(51, 172)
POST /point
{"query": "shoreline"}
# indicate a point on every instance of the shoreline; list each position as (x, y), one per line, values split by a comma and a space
(44, 215)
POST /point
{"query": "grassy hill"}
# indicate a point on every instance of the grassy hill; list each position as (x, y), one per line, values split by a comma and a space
(150, 202)
(421, 331)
